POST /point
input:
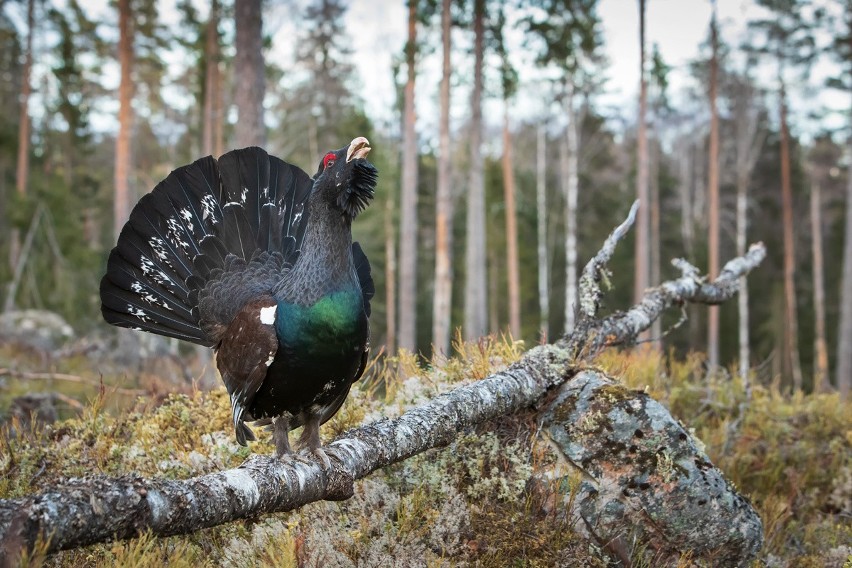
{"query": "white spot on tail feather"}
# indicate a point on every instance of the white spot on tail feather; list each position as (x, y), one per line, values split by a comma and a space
(243, 195)
(208, 208)
(138, 312)
(267, 315)
(177, 233)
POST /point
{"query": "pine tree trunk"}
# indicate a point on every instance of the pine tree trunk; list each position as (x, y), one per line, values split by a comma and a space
(742, 301)
(791, 328)
(125, 117)
(390, 278)
(571, 180)
(443, 205)
(408, 202)
(512, 267)
(844, 342)
(541, 231)
(821, 378)
(654, 269)
(250, 74)
(685, 174)
(475, 288)
(643, 222)
(748, 145)
(22, 169)
(713, 198)
(211, 81)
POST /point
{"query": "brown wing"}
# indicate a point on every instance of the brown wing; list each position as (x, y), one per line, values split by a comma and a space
(244, 354)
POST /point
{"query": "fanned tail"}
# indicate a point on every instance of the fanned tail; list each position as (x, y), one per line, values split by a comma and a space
(202, 221)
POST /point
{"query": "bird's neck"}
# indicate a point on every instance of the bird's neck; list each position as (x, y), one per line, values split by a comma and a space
(325, 261)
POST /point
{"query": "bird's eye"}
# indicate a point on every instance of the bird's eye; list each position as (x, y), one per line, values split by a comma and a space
(328, 161)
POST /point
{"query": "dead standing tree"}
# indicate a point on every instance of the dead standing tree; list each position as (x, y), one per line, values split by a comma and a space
(645, 474)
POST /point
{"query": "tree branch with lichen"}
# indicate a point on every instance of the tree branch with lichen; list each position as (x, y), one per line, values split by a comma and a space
(93, 509)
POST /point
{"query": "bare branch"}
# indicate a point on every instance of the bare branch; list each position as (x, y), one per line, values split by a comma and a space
(596, 269)
(625, 327)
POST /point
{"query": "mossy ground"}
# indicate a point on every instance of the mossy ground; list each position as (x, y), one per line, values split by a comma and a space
(482, 501)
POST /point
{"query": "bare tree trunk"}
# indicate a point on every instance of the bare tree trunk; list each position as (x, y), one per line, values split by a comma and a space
(686, 174)
(23, 168)
(643, 222)
(844, 342)
(476, 287)
(390, 278)
(742, 298)
(493, 268)
(821, 378)
(442, 307)
(512, 267)
(250, 73)
(749, 141)
(791, 328)
(408, 202)
(541, 229)
(123, 198)
(209, 118)
(654, 158)
(713, 198)
(211, 81)
(571, 181)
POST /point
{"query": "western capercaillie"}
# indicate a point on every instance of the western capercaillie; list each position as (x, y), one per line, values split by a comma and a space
(249, 255)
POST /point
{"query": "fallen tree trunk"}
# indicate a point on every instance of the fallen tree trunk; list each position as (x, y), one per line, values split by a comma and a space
(646, 479)
(96, 509)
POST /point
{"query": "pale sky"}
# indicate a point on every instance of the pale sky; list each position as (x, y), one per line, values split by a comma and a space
(679, 27)
(377, 29)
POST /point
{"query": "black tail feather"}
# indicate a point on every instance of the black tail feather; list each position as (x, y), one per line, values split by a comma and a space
(203, 219)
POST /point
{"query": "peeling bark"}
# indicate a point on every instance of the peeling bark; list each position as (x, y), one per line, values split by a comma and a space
(92, 509)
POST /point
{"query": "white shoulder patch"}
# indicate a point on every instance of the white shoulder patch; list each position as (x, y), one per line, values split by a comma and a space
(267, 315)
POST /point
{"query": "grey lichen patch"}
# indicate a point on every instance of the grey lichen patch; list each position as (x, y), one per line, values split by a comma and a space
(642, 464)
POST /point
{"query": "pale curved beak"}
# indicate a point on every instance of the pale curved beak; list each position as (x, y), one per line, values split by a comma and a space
(358, 149)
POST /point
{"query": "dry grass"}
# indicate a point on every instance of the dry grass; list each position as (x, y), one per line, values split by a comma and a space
(482, 501)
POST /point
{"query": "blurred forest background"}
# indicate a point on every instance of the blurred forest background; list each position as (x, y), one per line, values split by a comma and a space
(482, 219)
(506, 155)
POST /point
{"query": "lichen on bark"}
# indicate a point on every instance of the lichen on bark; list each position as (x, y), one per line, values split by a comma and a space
(646, 477)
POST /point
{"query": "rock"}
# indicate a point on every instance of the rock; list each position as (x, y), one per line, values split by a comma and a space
(35, 329)
(38, 406)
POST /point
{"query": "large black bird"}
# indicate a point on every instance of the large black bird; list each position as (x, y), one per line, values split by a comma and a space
(249, 255)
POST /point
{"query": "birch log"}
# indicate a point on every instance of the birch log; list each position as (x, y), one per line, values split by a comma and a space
(94, 509)
(646, 479)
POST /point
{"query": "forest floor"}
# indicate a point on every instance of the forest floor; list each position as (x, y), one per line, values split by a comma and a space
(497, 496)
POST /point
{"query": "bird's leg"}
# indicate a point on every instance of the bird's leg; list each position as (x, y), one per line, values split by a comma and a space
(310, 439)
(281, 435)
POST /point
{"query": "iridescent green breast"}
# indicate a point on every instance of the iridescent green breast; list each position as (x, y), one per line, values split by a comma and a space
(329, 326)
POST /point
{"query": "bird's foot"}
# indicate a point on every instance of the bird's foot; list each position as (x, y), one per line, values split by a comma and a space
(323, 457)
(281, 438)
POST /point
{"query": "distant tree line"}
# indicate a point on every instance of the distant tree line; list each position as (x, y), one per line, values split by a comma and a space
(485, 229)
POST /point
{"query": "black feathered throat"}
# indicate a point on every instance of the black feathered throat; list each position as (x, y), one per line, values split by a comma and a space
(360, 191)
